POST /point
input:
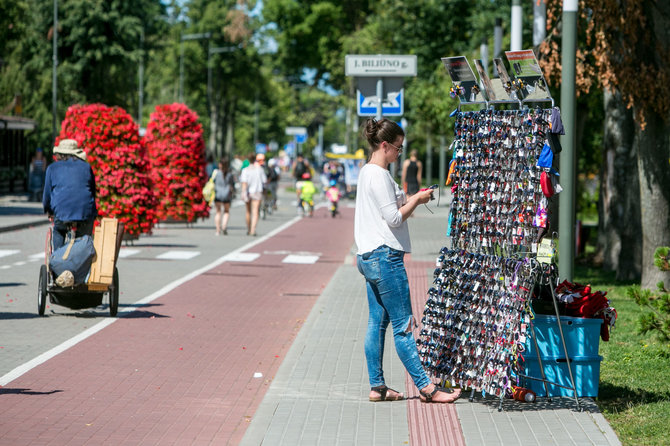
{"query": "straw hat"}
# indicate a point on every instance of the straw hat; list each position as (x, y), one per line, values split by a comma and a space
(70, 147)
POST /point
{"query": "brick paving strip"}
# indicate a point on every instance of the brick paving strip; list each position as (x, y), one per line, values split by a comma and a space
(181, 371)
(429, 424)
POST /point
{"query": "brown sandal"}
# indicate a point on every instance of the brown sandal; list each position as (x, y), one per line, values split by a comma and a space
(428, 397)
(382, 390)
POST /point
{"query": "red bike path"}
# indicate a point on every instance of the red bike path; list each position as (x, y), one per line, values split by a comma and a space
(187, 368)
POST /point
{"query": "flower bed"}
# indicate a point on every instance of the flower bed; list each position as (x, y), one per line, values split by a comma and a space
(176, 152)
(113, 148)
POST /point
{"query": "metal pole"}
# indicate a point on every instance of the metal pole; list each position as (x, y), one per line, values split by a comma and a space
(181, 71)
(429, 160)
(443, 160)
(497, 42)
(209, 78)
(54, 77)
(484, 54)
(380, 93)
(566, 202)
(517, 14)
(141, 80)
(539, 22)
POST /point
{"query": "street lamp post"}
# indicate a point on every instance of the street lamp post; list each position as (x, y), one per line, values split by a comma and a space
(54, 80)
(185, 37)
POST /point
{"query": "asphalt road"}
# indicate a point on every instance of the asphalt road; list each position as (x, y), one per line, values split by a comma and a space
(149, 267)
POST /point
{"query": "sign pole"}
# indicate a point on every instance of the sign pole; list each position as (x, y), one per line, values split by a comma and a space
(380, 92)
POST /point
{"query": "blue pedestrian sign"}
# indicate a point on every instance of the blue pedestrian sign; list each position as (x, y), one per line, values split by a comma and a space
(301, 139)
(392, 104)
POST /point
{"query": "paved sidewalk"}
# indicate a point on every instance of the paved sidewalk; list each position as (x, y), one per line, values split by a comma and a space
(16, 212)
(168, 379)
(319, 395)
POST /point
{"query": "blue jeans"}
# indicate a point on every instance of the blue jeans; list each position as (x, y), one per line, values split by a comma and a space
(60, 231)
(389, 301)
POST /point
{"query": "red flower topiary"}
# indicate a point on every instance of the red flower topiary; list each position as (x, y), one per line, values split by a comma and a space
(176, 152)
(111, 141)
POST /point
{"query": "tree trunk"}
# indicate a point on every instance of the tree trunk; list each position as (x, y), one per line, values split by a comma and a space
(653, 148)
(230, 128)
(619, 225)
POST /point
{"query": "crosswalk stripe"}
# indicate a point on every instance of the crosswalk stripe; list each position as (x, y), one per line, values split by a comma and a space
(127, 252)
(300, 259)
(8, 252)
(178, 255)
(242, 257)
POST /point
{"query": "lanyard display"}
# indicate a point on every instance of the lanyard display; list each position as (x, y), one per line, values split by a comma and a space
(477, 315)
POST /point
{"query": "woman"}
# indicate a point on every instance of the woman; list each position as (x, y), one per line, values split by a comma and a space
(253, 180)
(224, 185)
(382, 238)
(411, 174)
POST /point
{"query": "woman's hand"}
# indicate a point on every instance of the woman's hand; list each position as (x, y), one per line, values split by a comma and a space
(424, 196)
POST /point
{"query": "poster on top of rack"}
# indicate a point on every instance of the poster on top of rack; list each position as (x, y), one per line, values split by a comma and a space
(465, 85)
(528, 80)
(486, 80)
(502, 85)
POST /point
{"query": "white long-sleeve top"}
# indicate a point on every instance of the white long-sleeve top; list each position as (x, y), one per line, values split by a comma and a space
(378, 220)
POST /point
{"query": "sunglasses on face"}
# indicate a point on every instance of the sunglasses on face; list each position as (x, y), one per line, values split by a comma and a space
(398, 148)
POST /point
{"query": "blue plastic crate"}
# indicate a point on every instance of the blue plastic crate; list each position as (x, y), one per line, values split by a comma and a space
(582, 336)
(585, 370)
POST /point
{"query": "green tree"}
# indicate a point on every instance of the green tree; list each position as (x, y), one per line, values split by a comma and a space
(630, 63)
(98, 54)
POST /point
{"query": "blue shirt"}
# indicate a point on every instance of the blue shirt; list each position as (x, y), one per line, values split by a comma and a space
(69, 190)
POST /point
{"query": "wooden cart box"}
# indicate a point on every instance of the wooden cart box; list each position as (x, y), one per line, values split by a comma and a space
(107, 241)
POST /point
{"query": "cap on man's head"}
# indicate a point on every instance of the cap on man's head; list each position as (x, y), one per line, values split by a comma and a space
(70, 147)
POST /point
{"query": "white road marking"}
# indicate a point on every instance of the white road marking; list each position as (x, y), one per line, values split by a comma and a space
(127, 252)
(178, 255)
(241, 257)
(19, 263)
(5, 266)
(304, 260)
(39, 255)
(8, 252)
(24, 368)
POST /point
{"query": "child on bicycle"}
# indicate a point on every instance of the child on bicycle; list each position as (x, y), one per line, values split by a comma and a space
(307, 191)
(333, 195)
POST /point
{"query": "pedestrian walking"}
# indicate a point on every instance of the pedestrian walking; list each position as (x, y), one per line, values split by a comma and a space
(253, 180)
(382, 238)
(411, 174)
(224, 187)
(38, 167)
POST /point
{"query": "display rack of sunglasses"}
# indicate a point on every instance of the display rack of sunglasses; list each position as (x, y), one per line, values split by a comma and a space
(477, 315)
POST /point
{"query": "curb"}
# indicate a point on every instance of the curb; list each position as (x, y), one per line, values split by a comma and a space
(24, 225)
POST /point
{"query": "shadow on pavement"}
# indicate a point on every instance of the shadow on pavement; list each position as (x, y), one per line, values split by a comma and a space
(18, 391)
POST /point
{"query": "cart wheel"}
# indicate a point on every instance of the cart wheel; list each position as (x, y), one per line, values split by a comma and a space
(114, 294)
(42, 291)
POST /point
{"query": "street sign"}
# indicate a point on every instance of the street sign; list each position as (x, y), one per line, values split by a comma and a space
(380, 65)
(296, 130)
(301, 138)
(392, 104)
